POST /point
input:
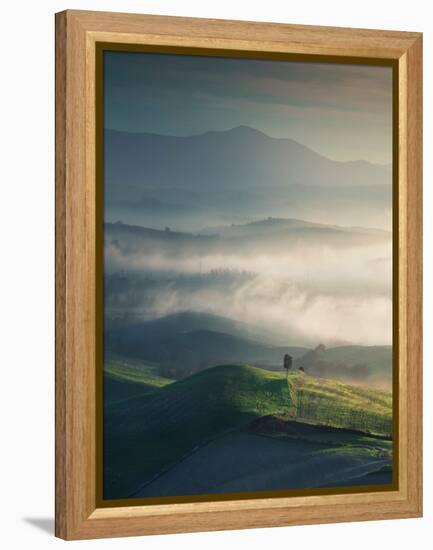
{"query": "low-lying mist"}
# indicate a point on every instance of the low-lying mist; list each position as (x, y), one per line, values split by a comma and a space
(304, 296)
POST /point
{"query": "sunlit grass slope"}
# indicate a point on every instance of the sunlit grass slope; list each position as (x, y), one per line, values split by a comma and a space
(150, 433)
(125, 379)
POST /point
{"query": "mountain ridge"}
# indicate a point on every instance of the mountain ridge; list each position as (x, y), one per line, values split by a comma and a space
(277, 161)
(228, 175)
(247, 131)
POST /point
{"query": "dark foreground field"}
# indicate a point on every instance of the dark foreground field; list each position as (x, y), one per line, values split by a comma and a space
(243, 462)
(235, 428)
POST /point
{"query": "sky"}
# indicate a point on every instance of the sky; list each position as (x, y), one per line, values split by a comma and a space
(343, 112)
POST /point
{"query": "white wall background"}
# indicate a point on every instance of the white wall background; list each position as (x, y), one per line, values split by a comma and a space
(27, 270)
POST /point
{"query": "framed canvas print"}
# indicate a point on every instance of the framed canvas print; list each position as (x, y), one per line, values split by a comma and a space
(238, 274)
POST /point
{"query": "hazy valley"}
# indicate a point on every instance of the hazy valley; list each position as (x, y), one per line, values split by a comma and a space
(215, 270)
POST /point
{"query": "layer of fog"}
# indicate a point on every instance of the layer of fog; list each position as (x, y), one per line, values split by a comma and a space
(322, 295)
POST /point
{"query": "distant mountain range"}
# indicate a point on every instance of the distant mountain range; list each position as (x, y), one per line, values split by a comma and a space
(241, 157)
(233, 175)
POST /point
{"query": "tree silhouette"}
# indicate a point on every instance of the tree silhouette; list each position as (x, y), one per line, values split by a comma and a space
(288, 361)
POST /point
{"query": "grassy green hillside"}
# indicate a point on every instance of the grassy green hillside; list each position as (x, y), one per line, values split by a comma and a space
(150, 433)
(332, 403)
(124, 379)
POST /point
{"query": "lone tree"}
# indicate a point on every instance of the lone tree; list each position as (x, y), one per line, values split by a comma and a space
(288, 362)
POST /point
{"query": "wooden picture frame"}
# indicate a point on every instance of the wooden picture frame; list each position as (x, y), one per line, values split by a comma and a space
(78, 513)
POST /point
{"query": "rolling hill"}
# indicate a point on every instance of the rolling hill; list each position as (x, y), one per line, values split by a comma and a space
(264, 236)
(186, 342)
(183, 343)
(148, 435)
(189, 321)
(124, 379)
(368, 365)
(272, 227)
